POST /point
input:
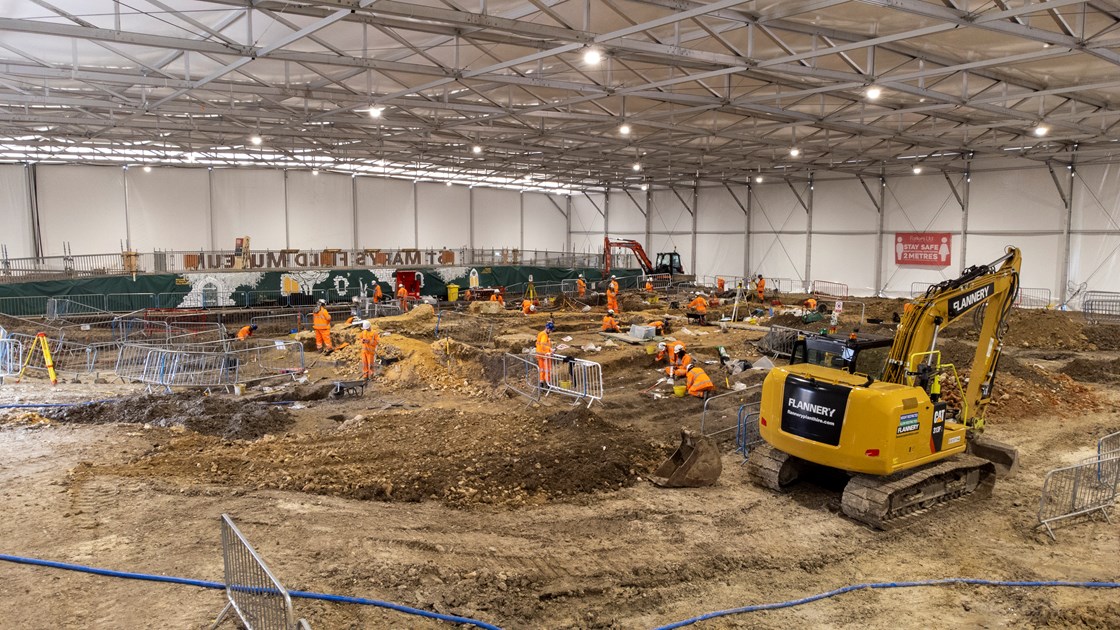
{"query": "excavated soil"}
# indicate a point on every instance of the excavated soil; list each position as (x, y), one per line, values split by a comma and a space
(442, 490)
(208, 415)
(1093, 371)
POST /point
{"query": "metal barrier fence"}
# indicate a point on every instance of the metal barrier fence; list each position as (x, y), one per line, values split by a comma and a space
(534, 375)
(825, 288)
(1084, 488)
(465, 328)
(252, 591)
(61, 308)
(1101, 307)
(11, 351)
(719, 415)
(781, 285)
(1033, 298)
(779, 341)
(273, 324)
(208, 365)
(67, 356)
(919, 288)
(746, 430)
(1109, 443)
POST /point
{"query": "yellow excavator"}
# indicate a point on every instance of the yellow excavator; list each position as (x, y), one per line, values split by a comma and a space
(905, 449)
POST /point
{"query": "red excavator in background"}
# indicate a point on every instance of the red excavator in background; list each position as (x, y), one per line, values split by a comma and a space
(667, 262)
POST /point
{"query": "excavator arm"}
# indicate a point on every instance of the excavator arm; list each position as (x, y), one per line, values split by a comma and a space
(990, 287)
(634, 246)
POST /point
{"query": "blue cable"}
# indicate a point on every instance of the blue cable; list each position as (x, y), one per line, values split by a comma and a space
(881, 585)
(218, 585)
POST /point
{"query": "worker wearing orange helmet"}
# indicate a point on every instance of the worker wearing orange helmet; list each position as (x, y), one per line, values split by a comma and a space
(697, 381)
(369, 340)
(321, 324)
(610, 324)
(581, 286)
(544, 349)
(402, 298)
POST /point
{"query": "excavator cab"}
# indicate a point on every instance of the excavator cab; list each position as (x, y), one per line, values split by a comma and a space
(669, 262)
(865, 355)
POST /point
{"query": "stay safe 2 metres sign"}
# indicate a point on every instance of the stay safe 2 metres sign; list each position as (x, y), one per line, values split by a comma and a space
(923, 249)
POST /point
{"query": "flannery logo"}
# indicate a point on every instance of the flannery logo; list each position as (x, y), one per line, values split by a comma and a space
(968, 300)
(820, 410)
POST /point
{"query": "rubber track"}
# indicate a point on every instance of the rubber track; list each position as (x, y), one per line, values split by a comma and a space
(765, 465)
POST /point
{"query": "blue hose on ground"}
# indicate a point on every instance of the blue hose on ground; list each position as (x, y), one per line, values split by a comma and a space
(882, 585)
(218, 585)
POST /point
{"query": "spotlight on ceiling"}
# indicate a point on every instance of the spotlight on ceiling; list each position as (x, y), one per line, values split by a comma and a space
(624, 129)
(637, 166)
(256, 140)
(147, 169)
(592, 56)
(447, 183)
(375, 111)
(917, 170)
(1041, 130)
(794, 152)
(758, 179)
(644, 186)
(314, 171)
(874, 92)
(476, 149)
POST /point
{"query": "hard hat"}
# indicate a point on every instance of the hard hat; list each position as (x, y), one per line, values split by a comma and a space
(533, 308)
(354, 299)
(759, 275)
(678, 348)
(550, 327)
(365, 326)
(252, 326)
(581, 275)
(661, 346)
(322, 301)
(610, 311)
(613, 276)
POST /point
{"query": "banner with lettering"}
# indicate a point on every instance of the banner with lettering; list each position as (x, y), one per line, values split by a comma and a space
(923, 249)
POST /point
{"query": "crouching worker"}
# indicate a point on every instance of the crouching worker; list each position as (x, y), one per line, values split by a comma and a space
(698, 308)
(246, 332)
(677, 362)
(369, 339)
(610, 324)
(697, 381)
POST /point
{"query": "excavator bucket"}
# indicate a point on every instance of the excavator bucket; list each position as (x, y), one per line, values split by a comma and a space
(1004, 456)
(694, 464)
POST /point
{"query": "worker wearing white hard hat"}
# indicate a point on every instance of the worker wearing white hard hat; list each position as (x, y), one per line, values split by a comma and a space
(321, 324)
(677, 362)
(368, 339)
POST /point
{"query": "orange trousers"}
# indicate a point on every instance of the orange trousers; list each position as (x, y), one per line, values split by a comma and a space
(323, 338)
(369, 360)
(544, 368)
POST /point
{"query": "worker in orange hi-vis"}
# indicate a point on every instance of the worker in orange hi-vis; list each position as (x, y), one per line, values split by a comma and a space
(658, 327)
(377, 293)
(497, 297)
(649, 285)
(402, 297)
(610, 324)
(760, 288)
(719, 284)
(321, 324)
(467, 295)
(246, 332)
(581, 286)
(369, 340)
(527, 307)
(677, 360)
(612, 286)
(700, 305)
(697, 381)
(544, 350)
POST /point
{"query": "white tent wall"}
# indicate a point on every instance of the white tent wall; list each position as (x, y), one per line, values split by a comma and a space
(169, 208)
(1021, 208)
(15, 212)
(920, 203)
(1095, 233)
(588, 222)
(721, 225)
(496, 214)
(778, 226)
(320, 210)
(83, 206)
(386, 213)
(443, 216)
(846, 233)
(248, 202)
(626, 215)
(671, 221)
(546, 226)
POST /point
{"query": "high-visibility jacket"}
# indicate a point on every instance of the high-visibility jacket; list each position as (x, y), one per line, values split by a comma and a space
(700, 304)
(610, 324)
(526, 306)
(467, 295)
(369, 340)
(581, 287)
(811, 304)
(677, 363)
(321, 319)
(245, 332)
(544, 344)
(760, 286)
(402, 293)
(613, 286)
(377, 294)
(719, 285)
(649, 286)
(658, 326)
(698, 382)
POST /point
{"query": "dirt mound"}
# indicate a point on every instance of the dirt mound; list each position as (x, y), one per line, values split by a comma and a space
(421, 320)
(209, 415)
(1032, 328)
(1090, 371)
(448, 456)
(1103, 337)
